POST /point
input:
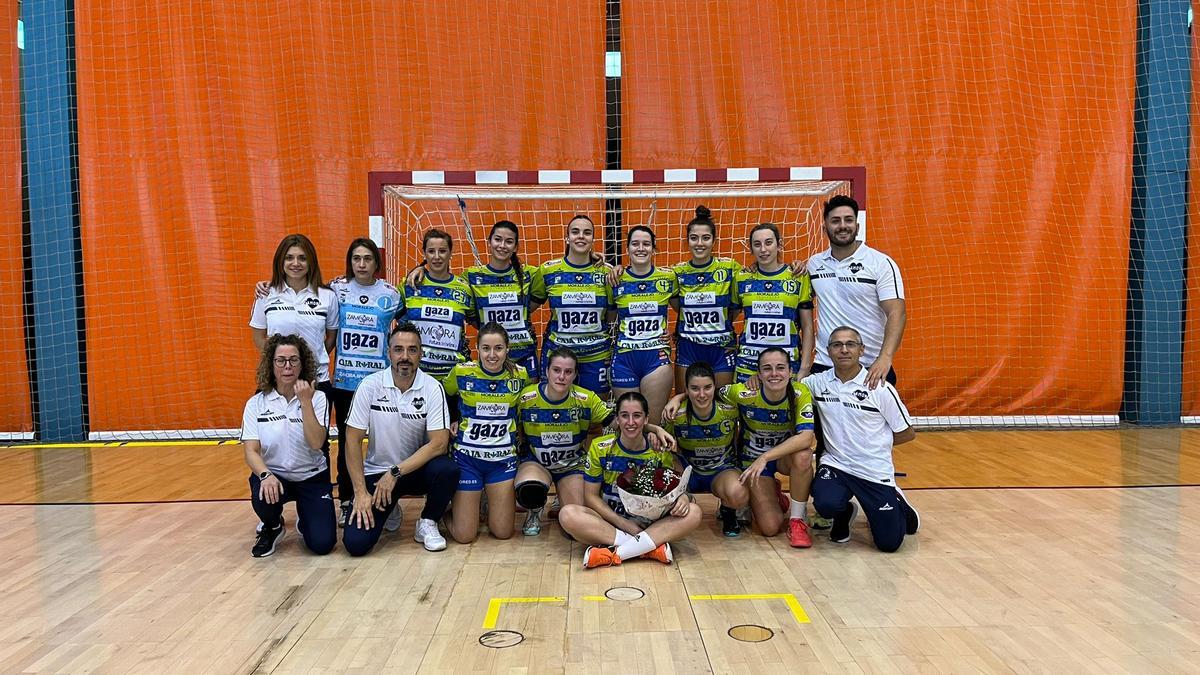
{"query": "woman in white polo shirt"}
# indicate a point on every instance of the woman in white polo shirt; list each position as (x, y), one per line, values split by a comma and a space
(283, 427)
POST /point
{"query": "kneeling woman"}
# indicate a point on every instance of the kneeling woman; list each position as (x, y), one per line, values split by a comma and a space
(483, 399)
(283, 429)
(556, 417)
(613, 534)
(705, 431)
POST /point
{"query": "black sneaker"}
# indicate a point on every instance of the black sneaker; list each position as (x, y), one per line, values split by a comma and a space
(839, 532)
(730, 526)
(912, 519)
(264, 545)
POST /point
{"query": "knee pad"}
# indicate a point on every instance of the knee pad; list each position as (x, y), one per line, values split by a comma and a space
(531, 494)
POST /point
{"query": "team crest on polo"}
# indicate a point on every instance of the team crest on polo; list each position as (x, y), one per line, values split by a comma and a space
(312, 303)
(418, 402)
(856, 267)
(860, 394)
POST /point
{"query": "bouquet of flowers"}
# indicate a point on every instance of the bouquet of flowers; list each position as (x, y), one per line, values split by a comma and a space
(649, 491)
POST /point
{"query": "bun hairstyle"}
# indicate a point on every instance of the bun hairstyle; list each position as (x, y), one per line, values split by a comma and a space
(703, 217)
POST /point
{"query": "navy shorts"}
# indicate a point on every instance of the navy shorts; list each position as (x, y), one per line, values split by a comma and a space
(767, 472)
(629, 368)
(476, 473)
(593, 376)
(701, 483)
(528, 357)
(715, 356)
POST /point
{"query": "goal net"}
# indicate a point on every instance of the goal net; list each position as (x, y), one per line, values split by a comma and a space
(542, 212)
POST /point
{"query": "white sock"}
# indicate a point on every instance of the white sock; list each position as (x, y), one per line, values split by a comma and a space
(799, 509)
(636, 546)
(622, 537)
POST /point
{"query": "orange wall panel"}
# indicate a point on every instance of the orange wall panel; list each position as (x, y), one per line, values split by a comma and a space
(208, 131)
(15, 409)
(997, 139)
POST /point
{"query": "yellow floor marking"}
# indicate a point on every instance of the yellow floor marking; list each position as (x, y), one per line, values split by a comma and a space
(792, 603)
(494, 605)
(595, 598)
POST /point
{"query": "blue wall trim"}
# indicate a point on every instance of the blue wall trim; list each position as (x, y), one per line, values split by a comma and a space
(48, 84)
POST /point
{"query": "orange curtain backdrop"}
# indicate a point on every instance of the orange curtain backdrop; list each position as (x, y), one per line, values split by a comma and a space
(997, 139)
(209, 130)
(15, 409)
(1191, 331)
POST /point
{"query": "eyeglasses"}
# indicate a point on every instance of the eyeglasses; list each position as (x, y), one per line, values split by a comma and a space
(851, 344)
(290, 361)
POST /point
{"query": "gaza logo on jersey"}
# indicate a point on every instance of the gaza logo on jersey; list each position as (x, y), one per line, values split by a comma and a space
(856, 267)
(578, 298)
(767, 307)
(700, 298)
(491, 409)
(436, 312)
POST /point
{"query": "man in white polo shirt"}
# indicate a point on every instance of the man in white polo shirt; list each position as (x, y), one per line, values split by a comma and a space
(855, 285)
(405, 411)
(861, 426)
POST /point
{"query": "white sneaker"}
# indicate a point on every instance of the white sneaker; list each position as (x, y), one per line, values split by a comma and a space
(428, 534)
(394, 519)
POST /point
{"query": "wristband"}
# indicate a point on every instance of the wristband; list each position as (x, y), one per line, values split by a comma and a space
(264, 475)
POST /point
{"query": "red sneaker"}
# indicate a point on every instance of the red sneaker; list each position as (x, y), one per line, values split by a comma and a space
(785, 503)
(600, 556)
(662, 554)
(798, 533)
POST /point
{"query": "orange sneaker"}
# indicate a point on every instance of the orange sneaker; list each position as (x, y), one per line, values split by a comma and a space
(785, 504)
(662, 554)
(798, 533)
(600, 556)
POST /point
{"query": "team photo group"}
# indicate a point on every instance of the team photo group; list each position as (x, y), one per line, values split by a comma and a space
(611, 419)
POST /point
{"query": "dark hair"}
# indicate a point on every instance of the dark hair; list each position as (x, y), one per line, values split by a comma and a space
(561, 353)
(579, 216)
(640, 228)
(837, 201)
(405, 327)
(516, 259)
(265, 375)
(635, 396)
(703, 217)
(772, 227)
(367, 244)
(435, 233)
(849, 328)
(791, 390)
(313, 278)
(697, 369)
(493, 328)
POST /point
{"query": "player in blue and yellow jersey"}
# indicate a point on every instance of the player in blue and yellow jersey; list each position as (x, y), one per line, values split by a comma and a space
(704, 331)
(367, 309)
(556, 419)
(501, 291)
(775, 436)
(613, 534)
(581, 305)
(483, 397)
(439, 305)
(643, 295)
(777, 306)
(706, 432)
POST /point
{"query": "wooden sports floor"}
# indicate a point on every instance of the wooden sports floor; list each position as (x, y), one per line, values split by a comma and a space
(1040, 551)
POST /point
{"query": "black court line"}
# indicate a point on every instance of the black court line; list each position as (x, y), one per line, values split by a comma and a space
(911, 489)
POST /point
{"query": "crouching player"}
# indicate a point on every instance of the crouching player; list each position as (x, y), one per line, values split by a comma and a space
(613, 534)
(556, 418)
(705, 430)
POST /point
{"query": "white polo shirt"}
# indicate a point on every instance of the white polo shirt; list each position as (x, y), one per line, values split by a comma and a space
(857, 423)
(303, 313)
(277, 425)
(398, 422)
(848, 293)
